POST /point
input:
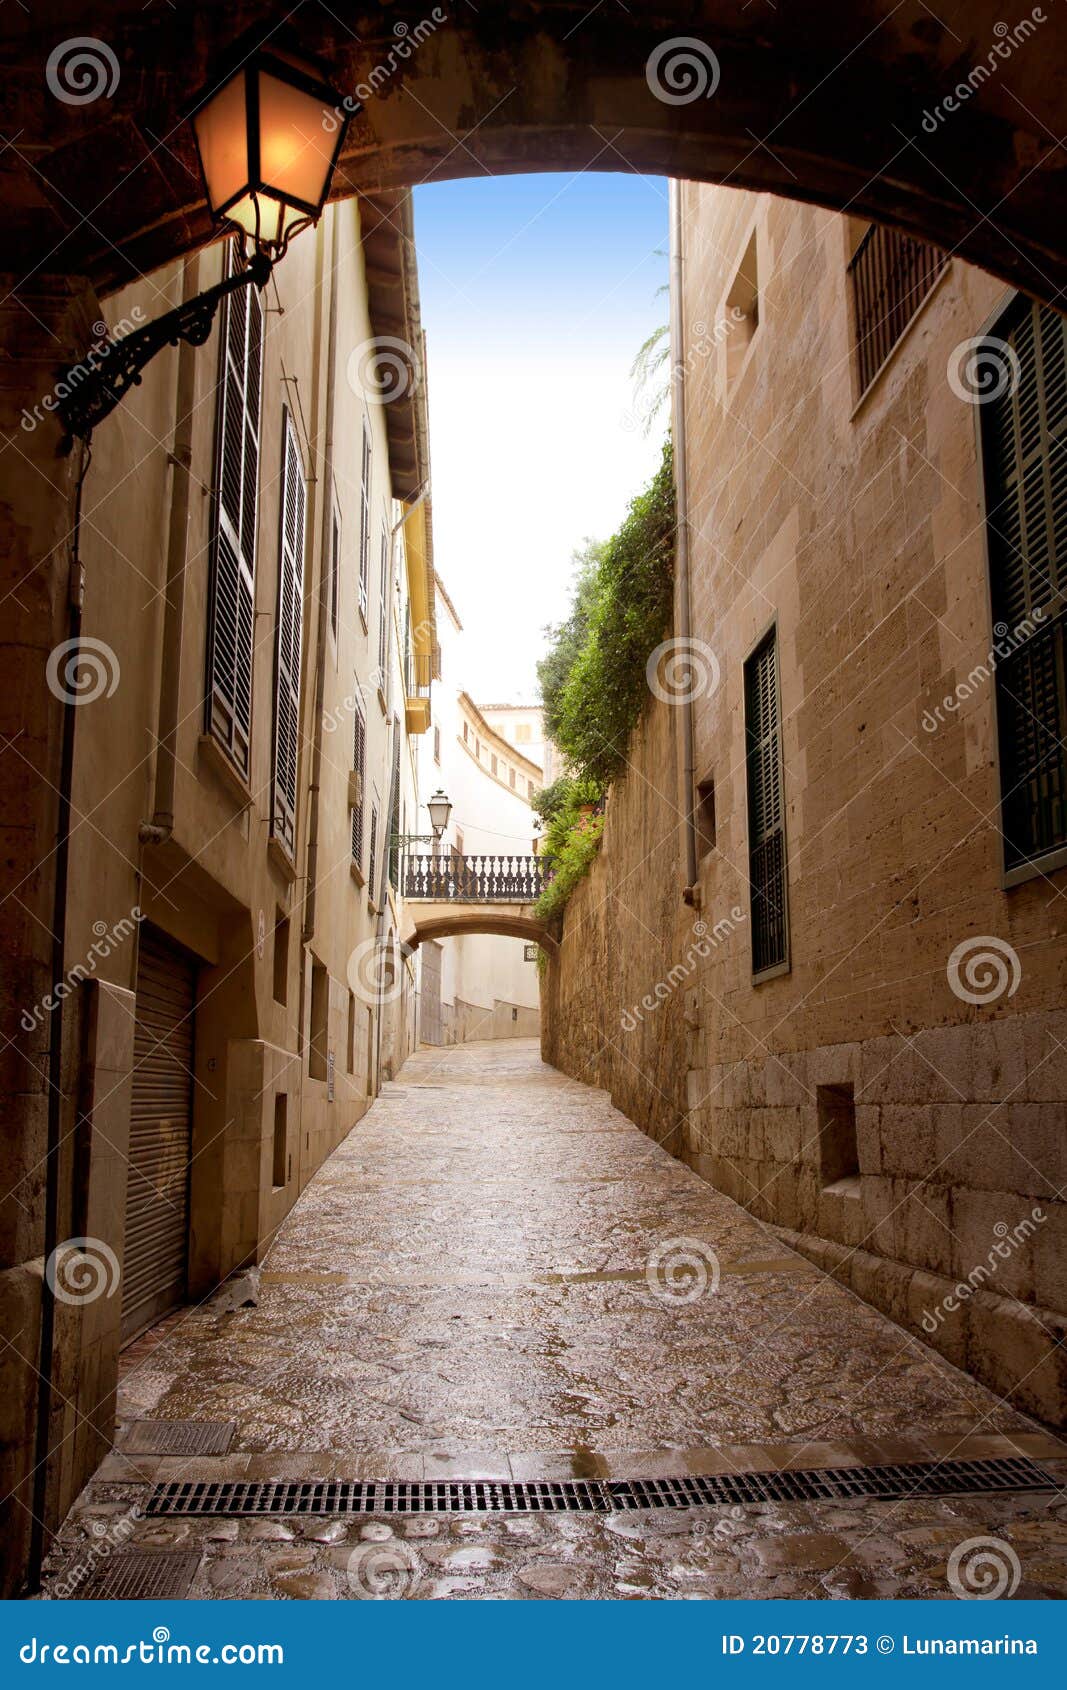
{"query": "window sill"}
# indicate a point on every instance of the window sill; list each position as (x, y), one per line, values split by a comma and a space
(279, 856)
(357, 873)
(1036, 869)
(774, 973)
(382, 703)
(212, 756)
(850, 1187)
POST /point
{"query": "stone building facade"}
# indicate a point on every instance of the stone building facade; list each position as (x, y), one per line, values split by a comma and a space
(256, 654)
(857, 1027)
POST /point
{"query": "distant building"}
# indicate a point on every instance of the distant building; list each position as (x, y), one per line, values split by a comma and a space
(477, 986)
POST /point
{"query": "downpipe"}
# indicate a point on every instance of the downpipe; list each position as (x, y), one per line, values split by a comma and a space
(46, 1357)
(682, 606)
(161, 827)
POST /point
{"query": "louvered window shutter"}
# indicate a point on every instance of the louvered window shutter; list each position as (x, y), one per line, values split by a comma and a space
(766, 809)
(359, 763)
(372, 869)
(383, 612)
(364, 525)
(394, 810)
(287, 651)
(1024, 453)
(231, 616)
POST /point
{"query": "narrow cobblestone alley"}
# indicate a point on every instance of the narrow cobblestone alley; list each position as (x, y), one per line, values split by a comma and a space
(483, 1281)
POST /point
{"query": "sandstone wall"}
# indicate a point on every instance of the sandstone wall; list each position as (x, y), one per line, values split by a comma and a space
(856, 525)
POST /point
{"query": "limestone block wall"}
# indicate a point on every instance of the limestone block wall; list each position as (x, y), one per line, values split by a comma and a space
(855, 525)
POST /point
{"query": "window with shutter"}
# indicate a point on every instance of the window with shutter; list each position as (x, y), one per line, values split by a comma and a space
(372, 867)
(766, 809)
(287, 648)
(364, 525)
(359, 764)
(383, 610)
(394, 809)
(1024, 456)
(231, 613)
(335, 567)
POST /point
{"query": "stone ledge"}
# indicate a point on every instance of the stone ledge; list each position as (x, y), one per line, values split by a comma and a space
(1017, 1349)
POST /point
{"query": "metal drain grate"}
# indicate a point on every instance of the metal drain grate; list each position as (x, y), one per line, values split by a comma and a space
(178, 1437)
(594, 1496)
(144, 1575)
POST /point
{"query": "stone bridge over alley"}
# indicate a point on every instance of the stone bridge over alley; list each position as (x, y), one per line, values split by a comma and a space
(497, 1277)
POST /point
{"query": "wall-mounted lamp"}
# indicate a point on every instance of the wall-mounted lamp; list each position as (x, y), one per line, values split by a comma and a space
(268, 139)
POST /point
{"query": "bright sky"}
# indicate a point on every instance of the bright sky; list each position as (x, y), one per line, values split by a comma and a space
(536, 293)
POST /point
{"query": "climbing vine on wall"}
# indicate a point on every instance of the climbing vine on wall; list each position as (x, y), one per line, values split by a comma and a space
(593, 680)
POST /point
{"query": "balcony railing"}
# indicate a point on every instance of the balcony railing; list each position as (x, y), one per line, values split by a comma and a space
(891, 276)
(450, 878)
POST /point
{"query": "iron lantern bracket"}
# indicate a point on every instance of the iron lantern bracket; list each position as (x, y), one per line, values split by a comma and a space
(90, 390)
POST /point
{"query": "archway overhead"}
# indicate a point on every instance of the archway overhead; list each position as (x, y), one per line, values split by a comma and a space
(463, 919)
(843, 105)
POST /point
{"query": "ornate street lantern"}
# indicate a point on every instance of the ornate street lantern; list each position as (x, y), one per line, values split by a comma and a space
(440, 808)
(268, 139)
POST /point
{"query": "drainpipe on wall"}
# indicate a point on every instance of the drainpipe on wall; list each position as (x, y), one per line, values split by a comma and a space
(311, 888)
(46, 1355)
(159, 829)
(691, 891)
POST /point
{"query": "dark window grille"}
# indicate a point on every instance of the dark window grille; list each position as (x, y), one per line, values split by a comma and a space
(287, 649)
(766, 809)
(372, 869)
(1024, 455)
(231, 617)
(891, 276)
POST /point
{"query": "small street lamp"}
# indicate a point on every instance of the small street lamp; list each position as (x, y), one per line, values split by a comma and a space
(268, 139)
(440, 808)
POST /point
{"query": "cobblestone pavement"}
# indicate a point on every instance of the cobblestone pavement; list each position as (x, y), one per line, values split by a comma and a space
(497, 1275)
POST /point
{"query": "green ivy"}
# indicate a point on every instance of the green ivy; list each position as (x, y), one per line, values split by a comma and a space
(593, 681)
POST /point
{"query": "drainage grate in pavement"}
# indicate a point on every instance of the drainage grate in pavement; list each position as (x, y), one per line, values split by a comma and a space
(595, 1496)
(178, 1437)
(144, 1575)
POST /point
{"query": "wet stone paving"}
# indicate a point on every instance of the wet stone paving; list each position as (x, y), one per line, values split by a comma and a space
(497, 1276)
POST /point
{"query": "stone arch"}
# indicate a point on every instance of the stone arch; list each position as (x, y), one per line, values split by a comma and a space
(844, 110)
(467, 919)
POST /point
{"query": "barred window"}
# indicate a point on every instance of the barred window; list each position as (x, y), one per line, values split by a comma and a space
(1024, 456)
(766, 809)
(891, 274)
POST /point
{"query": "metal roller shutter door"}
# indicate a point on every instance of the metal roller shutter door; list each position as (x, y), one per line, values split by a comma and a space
(157, 1185)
